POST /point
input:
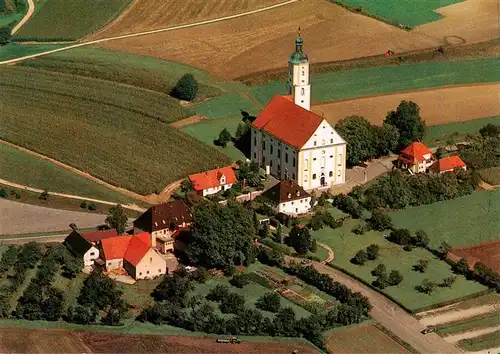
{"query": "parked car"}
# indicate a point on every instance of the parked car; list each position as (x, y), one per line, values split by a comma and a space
(428, 330)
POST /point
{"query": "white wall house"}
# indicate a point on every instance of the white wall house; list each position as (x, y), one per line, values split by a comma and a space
(81, 248)
(289, 198)
(416, 158)
(214, 181)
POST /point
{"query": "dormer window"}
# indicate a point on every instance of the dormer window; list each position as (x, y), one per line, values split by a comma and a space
(222, 179)
(289, 195)
(298, 193)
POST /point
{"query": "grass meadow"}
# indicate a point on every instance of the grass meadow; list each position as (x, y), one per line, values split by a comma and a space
(16, 50)
(75, 18)
(487, 341)
(25, 169)
(480, 322)
(406, 12)
(461, 222)
(345, 244)
(115, 132)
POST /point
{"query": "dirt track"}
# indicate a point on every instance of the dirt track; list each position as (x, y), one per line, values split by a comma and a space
(456, 315)
(437, 106)
(471, 334)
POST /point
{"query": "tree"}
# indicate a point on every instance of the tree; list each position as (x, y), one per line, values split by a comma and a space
(186, 88)
(83, 205)
(421, 266)
(269, 302)
(395, 277)
(400, 236)
(264, 230)
(448, 281)
(379, 269)
(382, 281)
(406, 118)
(72, 266)
(372, 252)
(82, 314)
(200, 275)
(278, 236)
(232, 303)
(490, 131)
(380, 221)
(427, 286)
(173, 288)
(222, 236)
(421, 239)
(240, 280)
(52, 306)
(224, 137)
(300, 239)
(218, 293)
(358, 133)
(386, 138)
(117, 219)
(360, 257)
(444, 249)
(5, 35)
(3, 193)
(461, 267)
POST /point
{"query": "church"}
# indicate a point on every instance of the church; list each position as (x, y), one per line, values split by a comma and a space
(291, 142)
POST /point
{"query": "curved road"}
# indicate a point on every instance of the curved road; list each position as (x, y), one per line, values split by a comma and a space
(31, 10)
(173, 28)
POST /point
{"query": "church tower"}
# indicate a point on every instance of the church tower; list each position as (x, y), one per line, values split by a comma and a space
(298, 76)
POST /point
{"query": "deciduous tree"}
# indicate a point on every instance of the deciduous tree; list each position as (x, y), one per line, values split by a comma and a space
(117, 219)
(300, 239)
(406, 118)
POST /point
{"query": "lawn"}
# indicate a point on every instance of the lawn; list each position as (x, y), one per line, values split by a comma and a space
(16, 50)
(475, 323)
(406, 12)
(455, 132)
(345, 244)
(75, 18)
(461, 222)
(116, 132)
(29, 170)
(487, 341)
(146, 72)
(230, 105)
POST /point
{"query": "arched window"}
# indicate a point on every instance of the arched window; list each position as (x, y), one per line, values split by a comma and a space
(293, 162)
(255, 140)
(271, 149)
(314, 175)
(330, 174)
(286, 157)
(302, 91)
(331, 141)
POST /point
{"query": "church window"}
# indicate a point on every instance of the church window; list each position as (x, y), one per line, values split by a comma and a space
(314, 142)
(271, 163)
(286, 157)
(302, 92)
(305, 178)
(331, 156)
(331, 141)
(293, 162)
(314, 175)
(306, 163)
(339, 173)
(302, 101)
(263, 160)
(330, 174)
(323, 142)
(303, 72)
(255, 140)
(254, 155)
(263, 146)
(279, 153)
(271, 149)
(279, 168)
(314, 159)
(340, 159)
(323, 162)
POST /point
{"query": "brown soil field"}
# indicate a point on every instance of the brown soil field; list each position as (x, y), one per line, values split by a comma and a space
(263, 41)
(188, 121)
(437, 106)
(21, 340)
(144, 15)
(487, 253)
(365, 339)
(106, 343)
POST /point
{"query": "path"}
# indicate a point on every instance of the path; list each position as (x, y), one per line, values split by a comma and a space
(471, 334)
(330, 253)
(456, 315)
(39, 239)
(167, 29)
(31, 10)
(392, 316)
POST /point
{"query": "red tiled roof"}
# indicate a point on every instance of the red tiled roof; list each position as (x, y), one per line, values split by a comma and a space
(115, 247)
(138, 246)
(210, 179)
(95, 236)
(287, 122)
(448, 164)
(414, 152)
(288, 97)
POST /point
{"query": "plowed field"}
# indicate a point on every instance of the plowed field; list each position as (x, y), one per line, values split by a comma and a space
(21, 340)
(487, 253)
(437, 106)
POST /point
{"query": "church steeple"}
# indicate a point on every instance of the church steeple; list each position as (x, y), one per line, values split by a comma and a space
(298, 77)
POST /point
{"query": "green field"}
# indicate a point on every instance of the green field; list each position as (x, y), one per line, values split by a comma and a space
(487, 341)
(146, 72)
(436, 135)
(16, 50)
(475, 323)
(29, 170)
(345, 245)
(460, 222)
(116, 132)
(410, 13)
(75, 18)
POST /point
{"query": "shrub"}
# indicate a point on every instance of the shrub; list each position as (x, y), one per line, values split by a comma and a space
(444, 249)
(186, 88)
(448, 281)
(360, 257)
(372, 252)
(395, 277)
(461, 267)
(200, 275)
(269, 302)
(3, 193)
(421, 266)
(359, 229)
(427, 287)
(380, 221)
(18, 196)
(379, 269)
(400, 236)
(44, 195)
(421, 239)
(382, 281)
(232, 303)
(5, 36)
(218, 293)
(240, 280)
(83, 205)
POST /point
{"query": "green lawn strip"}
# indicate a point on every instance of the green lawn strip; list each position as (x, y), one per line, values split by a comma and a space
(16, 50)
(389, 79)
(75, 120)
(406, 12)
(229, 105)
(445, 221)
(208, 130)
(137, 70)
(437, 135)
(29, 170)
(139, 294)
(38, 234)
(491, 175)
(30, 273)
(6, 20)
(487, 341)
(469, 324)
(74, 289)
(75, 18)
(345, 244)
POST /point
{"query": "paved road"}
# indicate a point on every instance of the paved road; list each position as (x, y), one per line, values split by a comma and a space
(393, 317)
(31, 10)
(173, 28)
(39, 239)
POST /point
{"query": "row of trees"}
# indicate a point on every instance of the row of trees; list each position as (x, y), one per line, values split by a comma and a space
(481, 273)
(484, 151)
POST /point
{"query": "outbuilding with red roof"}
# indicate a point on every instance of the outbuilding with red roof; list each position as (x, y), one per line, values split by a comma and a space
(448, 164)
(213, 181)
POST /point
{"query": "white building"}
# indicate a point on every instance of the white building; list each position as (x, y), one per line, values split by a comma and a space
(81, 248)
(289, 198)
(416, 158)
(291, 142)
(214, 181)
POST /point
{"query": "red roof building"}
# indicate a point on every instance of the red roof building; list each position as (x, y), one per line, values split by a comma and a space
(448, 164)
(95, 236)
(214, 181)
(416, 157)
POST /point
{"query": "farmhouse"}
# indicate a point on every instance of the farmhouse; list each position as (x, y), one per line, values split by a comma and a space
(416, 158)
(289, 198)
(291, 142)
(133, 253)
(95, 237)
(81, 248)
(162, 221)
(214, 181)
(448, 164)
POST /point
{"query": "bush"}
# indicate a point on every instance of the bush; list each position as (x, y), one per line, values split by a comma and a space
(359, 229)
(44, 195)
(269, 302)
(232, 303)
(83, 205)
(395, 277)
(186, 88)
(379, 269)
(461, 267)
(360, 258)
(372, 252)
(218, 293)
(421, 266)
(3, 193)
(92, 207)
(200, 275)
(427, 287)
(240, 280)
(5, 36)
(421, 239)
(382, 281)
(400, 236)
(448, 281)
(380, 221)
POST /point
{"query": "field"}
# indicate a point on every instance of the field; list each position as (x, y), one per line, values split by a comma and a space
(28, 170)
(75, 18)
(487, 253)
(408, 13)
(445, 221)
(75, 120)
(345, 244)
(491, 175)
(487, 341)
(362, 339)
(437, 106)
(14, 50)
(475, 323)
(456, 132)
(29, 341)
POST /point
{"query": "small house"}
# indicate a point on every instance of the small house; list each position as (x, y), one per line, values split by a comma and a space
(81, 248)
(448, 164)
(289, 198)
(214, 181)
(416, 158)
